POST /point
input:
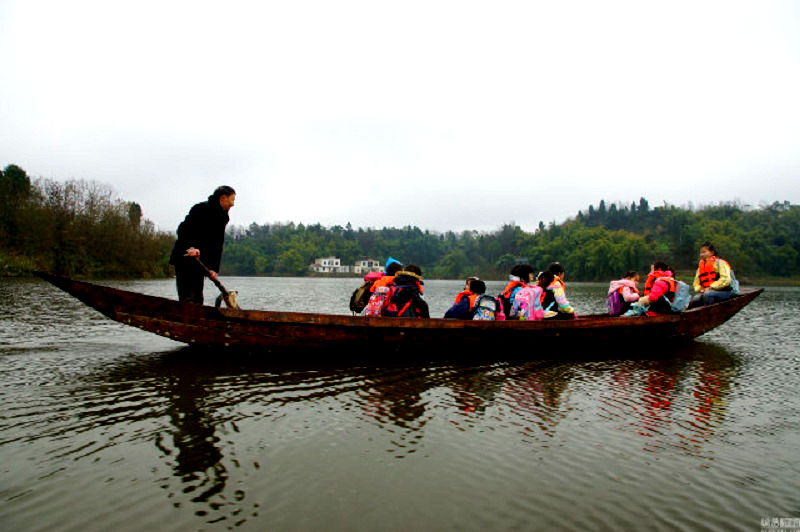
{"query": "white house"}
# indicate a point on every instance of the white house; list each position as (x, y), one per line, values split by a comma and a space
(364, 266)
(329, 265)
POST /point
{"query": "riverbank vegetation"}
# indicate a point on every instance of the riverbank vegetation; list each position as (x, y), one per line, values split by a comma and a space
(81, 228)
(75, 228)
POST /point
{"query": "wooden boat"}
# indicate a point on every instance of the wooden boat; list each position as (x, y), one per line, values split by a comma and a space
(205, 325)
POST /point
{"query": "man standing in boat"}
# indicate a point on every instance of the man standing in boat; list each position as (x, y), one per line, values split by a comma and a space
(200, 235)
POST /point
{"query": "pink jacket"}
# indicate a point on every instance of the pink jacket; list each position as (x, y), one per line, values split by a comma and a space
(659, 287)
(629, 290)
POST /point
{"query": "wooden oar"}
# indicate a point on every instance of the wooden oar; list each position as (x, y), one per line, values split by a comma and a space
(228, 296)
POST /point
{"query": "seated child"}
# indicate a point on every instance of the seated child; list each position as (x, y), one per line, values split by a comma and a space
(660, 290)
(528, 300)
(464, 305)
(405, 299)
(622, 293)
(555, 297)
(379, 289)
(714, 280)
(392, 267)
(520, 276)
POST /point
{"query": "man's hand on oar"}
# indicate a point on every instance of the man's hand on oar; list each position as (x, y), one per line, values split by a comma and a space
(228, 296)
(194, 252)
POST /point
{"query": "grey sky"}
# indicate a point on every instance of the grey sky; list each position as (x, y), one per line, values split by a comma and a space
(444, 115)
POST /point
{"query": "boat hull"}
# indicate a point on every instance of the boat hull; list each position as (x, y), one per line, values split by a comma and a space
(204, 325)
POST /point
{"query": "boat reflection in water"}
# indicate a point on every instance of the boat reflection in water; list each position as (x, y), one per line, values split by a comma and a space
(673, 402)
(219, 424)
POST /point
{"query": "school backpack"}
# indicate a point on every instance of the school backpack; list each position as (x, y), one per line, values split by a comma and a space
(683, 295)
(734, 282)
(486, 308)
(360, 297)
(500, 315)
(377, 301)
(615, 303)
(522, 305)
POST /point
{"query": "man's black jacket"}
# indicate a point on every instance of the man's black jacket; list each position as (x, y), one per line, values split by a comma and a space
(204, 229)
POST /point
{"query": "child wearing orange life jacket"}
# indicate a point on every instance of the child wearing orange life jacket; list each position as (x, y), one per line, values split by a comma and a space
(380, 288)
(392, 267)
(519, 277)
(555, 297)
(405, 295)
(622, 293)
(466, 289)
(660, 290)
(464, 305)
(712, 281)
(528, 300)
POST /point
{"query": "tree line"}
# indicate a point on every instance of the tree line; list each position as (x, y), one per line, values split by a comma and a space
(81, 228)
(599, 244)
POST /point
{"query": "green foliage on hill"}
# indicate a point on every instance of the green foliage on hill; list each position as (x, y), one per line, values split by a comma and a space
(600, 244)
(75, 228)
(80, 228)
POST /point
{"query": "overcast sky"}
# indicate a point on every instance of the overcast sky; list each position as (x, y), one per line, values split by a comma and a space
(445, 115)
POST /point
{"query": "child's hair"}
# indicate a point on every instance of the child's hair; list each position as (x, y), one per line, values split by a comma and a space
(630, 275)
(545, 279)
(413, 268)
(555, 268)
(661, 265)
(523, 271)
(393, 268)
(709, 246)
(476, 286)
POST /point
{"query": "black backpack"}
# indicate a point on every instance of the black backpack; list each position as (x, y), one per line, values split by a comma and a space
(404, 301)
(360, 297)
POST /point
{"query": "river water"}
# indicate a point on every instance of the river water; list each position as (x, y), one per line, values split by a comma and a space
(106, 427)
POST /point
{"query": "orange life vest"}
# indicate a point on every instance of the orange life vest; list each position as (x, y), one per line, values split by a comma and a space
(461, 295)
(511, 286)
(386, 280)
(469, 295)
(706, 272)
